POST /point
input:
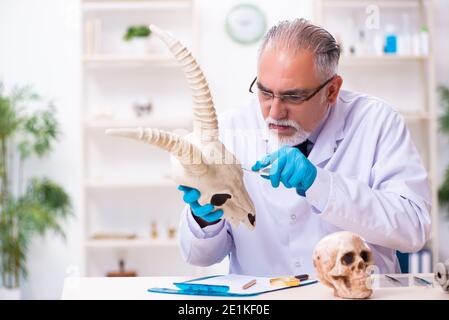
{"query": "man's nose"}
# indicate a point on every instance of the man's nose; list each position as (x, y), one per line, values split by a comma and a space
(277, 109)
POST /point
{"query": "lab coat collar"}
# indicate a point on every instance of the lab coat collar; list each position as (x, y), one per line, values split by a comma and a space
(331, 132)
(314, 135)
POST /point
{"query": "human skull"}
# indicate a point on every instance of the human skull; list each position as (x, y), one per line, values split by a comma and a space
(200, 160)
(341, 260)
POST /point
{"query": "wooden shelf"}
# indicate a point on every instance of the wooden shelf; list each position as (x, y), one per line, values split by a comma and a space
(153, 183)
(394, 4)
(133, 243)
(376, 60)
(178, 121)
(167, 61)
(120, 6)
(104, 60)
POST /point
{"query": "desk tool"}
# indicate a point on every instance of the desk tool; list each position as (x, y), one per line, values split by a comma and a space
(394, 280)
(422, 282)
(264, 172)
(249, 284)
(288, 281)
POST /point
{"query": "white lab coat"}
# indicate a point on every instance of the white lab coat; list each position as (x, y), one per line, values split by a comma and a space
(370, 181)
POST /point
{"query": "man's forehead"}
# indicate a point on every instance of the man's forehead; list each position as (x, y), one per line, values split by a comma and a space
(283, 68)
(284, 54)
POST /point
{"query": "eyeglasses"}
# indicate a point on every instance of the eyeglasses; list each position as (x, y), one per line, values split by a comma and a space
(288, 98)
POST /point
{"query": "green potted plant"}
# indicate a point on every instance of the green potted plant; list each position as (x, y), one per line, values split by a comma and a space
(443, 192)
(32, 207)
(136, 37)
(133, 32)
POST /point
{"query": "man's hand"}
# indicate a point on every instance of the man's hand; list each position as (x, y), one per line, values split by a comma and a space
(206, 212)
(289, 166)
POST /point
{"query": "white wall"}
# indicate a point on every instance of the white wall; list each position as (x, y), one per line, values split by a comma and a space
(40, 44)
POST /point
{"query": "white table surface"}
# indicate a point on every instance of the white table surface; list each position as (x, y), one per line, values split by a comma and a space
(105, 288)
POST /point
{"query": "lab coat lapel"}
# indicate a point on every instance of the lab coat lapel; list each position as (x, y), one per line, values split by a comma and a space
(331, 133)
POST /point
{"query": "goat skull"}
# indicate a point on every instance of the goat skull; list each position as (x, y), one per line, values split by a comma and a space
(341, 260)
(200, 160)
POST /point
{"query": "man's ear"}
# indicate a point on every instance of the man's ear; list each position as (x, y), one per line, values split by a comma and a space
(334, 89)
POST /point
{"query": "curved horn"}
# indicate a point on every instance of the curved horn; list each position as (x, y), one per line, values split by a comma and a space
(205, 119)
(187, 153)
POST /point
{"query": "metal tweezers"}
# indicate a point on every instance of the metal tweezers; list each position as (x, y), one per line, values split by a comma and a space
(262, 172)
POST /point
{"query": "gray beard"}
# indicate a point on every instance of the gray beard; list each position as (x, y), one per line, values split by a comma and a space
(278, 141)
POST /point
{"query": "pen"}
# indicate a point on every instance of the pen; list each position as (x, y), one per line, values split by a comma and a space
(249, 284)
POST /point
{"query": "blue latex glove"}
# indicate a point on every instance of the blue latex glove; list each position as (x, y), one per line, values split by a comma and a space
(289, 166)
(206, 212)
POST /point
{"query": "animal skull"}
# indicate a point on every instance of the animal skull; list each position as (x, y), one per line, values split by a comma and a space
(200, 160)
(341, 260)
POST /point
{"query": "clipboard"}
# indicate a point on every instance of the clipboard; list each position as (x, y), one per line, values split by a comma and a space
(226, 286)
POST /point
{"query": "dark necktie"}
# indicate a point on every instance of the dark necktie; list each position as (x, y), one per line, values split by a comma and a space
(305, 147)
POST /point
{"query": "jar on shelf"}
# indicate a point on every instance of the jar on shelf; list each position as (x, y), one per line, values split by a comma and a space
(154, 230)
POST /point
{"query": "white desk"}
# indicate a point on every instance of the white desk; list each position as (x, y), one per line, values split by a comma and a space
(136, 289)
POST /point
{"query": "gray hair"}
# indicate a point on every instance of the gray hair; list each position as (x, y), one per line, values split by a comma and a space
(302, 34)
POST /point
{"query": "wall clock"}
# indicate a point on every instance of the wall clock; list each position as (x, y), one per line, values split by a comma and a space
(246, 24)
